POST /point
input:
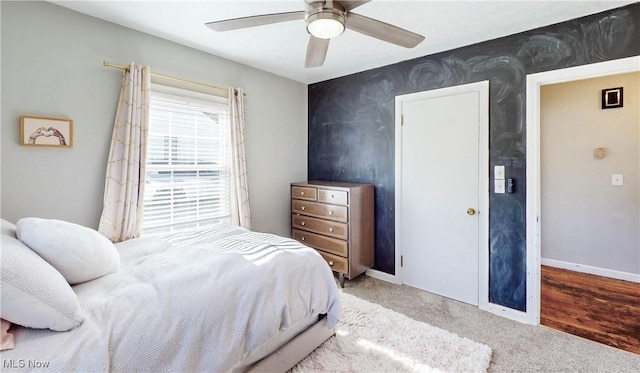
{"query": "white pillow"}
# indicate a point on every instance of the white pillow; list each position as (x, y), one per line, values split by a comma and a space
(79, 253)
(32, 292)
(8, 228)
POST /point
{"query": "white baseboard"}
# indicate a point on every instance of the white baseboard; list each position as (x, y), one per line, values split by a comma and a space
(627, 276)
(383, 276)
(507, 312)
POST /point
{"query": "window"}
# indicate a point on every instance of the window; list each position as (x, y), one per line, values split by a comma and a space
(187, 171)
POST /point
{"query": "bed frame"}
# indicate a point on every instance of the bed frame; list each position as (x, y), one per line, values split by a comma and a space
(292, 352)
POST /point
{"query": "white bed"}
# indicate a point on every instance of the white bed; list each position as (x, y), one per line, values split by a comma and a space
(216, 301)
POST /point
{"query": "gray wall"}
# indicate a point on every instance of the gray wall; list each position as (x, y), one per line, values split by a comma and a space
(52, 66)
(585, 220)
(361, 106)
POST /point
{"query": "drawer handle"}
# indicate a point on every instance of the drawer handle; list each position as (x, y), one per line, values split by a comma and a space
(302, 238)
(330, 212)
(302, 193)
(303, 223)
(332, 196)
(302, 208)
(330, 229)
(331, 263)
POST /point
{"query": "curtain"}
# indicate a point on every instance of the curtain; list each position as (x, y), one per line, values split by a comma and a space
(240, 212)
(124, 185)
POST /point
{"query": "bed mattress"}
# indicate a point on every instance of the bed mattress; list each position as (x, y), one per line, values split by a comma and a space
(215, 300)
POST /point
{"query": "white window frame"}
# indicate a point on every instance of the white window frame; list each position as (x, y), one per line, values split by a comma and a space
(187, 99)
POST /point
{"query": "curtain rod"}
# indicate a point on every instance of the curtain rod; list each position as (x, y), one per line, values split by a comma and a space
(169, 77)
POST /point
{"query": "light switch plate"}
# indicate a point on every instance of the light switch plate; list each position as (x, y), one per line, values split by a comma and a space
(498, 173)
(499, 186)
(617, 179)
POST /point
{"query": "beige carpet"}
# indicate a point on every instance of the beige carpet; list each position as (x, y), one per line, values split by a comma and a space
(517, 347)
(371, 338)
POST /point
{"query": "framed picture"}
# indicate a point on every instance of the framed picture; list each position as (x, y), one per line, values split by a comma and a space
(612, 98)
(39, 131)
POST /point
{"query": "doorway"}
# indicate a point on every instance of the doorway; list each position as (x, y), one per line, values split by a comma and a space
(589, 224)
(442, 191)
(534, 83)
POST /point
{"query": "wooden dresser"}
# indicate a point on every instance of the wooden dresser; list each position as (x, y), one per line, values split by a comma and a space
(337, 219)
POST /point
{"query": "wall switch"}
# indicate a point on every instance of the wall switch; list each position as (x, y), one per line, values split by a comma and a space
(617, 179)
(499, 186)
(498, 173)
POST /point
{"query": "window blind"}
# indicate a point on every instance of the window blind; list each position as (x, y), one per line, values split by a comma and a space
(187, 170)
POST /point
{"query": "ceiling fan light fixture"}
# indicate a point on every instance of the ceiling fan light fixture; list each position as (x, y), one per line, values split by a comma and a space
(325, 24)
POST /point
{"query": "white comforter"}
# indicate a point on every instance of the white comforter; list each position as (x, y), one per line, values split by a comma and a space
(199, 302)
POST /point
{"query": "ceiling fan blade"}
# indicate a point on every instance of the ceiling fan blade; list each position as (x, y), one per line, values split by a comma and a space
(349, 5)
(383, 31)
(252, 21)
(316, 51)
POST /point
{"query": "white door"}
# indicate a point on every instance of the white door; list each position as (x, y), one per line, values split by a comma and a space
(440, 190)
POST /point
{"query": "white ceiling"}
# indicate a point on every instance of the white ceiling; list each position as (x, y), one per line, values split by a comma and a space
(280, 48)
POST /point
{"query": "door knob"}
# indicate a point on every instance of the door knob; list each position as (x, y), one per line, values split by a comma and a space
(471, 211)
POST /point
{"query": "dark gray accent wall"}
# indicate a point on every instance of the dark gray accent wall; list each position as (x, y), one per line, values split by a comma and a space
(351, 124)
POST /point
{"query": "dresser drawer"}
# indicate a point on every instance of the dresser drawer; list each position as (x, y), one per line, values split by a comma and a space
(326, 227)
(333, 196)
(336, 263)
(306, 193)
(320, 210)
(317, 241)
(337, 220)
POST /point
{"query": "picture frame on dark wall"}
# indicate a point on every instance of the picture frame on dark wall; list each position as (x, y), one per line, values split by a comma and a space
(612, 98)
(41, 131)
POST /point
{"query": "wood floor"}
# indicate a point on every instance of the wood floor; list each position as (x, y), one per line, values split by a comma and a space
(598, 308)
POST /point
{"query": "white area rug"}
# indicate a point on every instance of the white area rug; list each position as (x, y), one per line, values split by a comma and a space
(371, 338)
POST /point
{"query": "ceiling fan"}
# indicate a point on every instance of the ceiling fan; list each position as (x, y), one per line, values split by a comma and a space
(326, 20)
